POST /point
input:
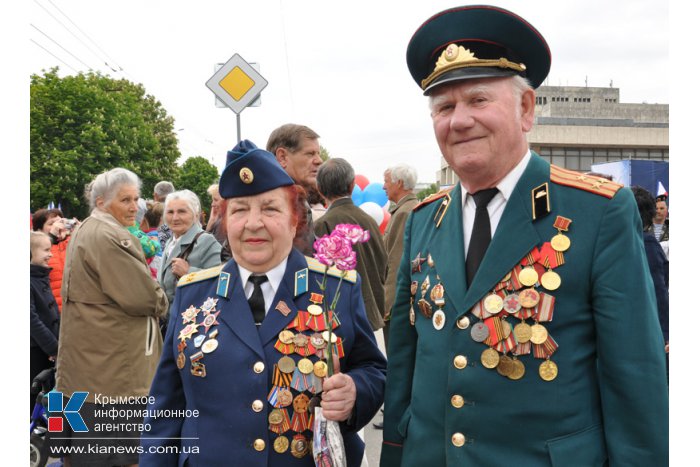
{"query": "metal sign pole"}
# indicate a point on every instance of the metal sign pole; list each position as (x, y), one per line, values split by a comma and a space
(238, 126)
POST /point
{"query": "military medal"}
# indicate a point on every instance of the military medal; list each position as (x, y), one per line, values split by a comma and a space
(209, 304)
(281, 444)
(180, 360)
(517, 369)
(198, 369)
(320, 369)
(551, 280)
(286, 365)
(275, 417)
(511, 304)
(317, 341)
(522, 332)
(314, 310)
(199, 339)
(305, 366)
(416, 263)
(505, 365)
(210, 346)
(210, 320)
(479, 332)
(529, 298)
(437, 295)
(439, 319)
(284, 397)
(463, 322)
(299, 446)
(561, 242)
(539, 334)
(490, 358)
(548, 370)
(423, 304)
(189, 315)
(188, 331)
(493, 304)
(507, 329)
(528, 276)
(431, 263)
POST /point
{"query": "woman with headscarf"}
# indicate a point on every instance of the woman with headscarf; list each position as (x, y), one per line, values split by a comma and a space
(245, 348)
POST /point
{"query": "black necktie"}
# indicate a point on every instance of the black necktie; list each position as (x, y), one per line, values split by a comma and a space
(481, 233)
(256, 300)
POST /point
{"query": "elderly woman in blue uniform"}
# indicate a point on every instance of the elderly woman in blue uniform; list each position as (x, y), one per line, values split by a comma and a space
(243, 364)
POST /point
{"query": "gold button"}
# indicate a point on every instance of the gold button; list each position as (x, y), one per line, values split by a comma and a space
(259, 444)
(258, 406)
(460, 362)
(259, 367)
(458, 439)
(463, 322)
(457, 401)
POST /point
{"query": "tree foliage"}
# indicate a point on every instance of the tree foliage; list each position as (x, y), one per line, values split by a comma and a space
(424, 193)
(196, 175)
(83, 125)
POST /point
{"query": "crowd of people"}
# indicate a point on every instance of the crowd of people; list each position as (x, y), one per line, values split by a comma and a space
(254, 324)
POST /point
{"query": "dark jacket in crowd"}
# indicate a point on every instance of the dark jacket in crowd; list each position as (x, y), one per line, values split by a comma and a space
(658, 267)
(44, 322)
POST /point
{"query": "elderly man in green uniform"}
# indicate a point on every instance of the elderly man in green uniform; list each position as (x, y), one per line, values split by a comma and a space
(524, 330)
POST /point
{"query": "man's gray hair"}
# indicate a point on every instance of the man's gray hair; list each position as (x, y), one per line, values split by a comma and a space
(107, 184)
(192, 201)
(405, 173)
(163, 189)
(335, 178)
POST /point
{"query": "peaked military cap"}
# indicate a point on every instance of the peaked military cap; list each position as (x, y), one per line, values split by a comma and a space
(250, 170)
(476, 41)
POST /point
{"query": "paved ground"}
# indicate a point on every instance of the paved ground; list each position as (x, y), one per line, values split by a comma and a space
(373, 437)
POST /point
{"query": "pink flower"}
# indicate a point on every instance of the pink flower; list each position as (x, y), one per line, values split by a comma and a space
(347, 264)
(353, 232)
(333, 248)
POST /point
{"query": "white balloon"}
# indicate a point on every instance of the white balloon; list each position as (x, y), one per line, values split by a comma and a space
(374, 210)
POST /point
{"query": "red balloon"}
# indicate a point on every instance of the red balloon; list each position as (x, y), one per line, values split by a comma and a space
(385, 221)
(361, 181)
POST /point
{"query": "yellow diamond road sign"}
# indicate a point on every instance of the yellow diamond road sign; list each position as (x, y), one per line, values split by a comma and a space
(237, 84)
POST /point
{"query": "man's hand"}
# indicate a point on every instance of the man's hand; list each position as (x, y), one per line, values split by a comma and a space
(180, 267)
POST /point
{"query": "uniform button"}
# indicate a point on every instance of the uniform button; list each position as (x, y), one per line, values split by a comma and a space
(259, 367)
(259, 444)
(460, 362)
(457, 401)
(458, 439)
(463, 322)
(258, 406)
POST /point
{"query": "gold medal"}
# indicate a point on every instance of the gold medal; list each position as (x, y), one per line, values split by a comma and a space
(548, 370)
(286, 336)
(539, 334)
(528, 276)
(275, 417)
(320, 369)
(437, 294)
(490, 358)
(301, 340)
(317, 341)
(505, 365)
(305, 366)
(505, 325)
(300, 403)
(529, 298)
(333, 338)
(299, 446)
(560, 242)
(463, 322)
(284, 397)
(314, 310)
(493, 304)
(551, 280)
(281, 444)
(517, 370)
(286, 365)
(522, 332)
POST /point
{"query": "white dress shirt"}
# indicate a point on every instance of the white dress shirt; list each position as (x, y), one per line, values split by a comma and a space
(269, 287)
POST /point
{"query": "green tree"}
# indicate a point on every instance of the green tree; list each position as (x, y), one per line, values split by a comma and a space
(197, 174)
(83, 125)
(325, 155)
(424, 193)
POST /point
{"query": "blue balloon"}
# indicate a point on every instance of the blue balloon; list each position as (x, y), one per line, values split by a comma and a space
(374, 192)
(358, 197)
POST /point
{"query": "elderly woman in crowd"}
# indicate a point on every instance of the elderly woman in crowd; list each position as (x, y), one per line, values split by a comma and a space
(245, 345)
(190, 248)
(109, 342)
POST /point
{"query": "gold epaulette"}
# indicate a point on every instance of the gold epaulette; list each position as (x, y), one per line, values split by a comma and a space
(590, 183)
(435, 196)
(198, 276)
(316, 266)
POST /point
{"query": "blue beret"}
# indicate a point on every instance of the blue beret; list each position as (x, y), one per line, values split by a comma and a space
(476, 41)
(250, 170)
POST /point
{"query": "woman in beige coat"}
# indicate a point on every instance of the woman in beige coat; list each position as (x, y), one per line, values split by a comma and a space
(109, 343)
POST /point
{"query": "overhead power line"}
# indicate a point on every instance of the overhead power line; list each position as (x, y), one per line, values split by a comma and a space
(66, 50)
(54, 56)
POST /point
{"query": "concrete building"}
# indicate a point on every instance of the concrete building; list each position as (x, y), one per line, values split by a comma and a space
(576, 127)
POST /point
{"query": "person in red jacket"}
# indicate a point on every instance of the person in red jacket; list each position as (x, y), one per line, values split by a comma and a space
(52, 223)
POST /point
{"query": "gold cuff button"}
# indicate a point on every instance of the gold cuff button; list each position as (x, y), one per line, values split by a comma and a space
(460, 362)
(458, 439)
(457, 401)
(259, 444)
(463, 322)
(259, 367)
(258, 406)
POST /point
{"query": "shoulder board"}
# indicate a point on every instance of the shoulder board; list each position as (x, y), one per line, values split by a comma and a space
(435, 196)
(590, 183)
(316, 266)
(199, 276)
